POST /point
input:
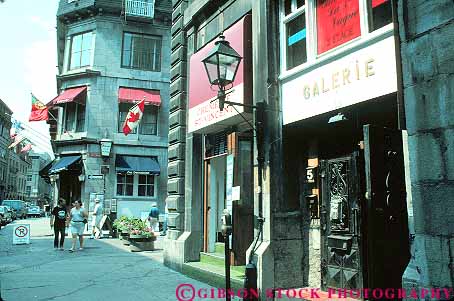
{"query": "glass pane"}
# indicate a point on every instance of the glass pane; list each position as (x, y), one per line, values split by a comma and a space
(120, 189)
(142, 190)
(119, 178)
(129, 189)
(76, 44)
(150, 179)
(296, 41)
(142, 179)
(85, 58)
(129, 179)
(212, 72)
(287, 6)
(150, 190)
(86, 41)
(126, 58)
(338, 21)
(75, 60)
(381, 13)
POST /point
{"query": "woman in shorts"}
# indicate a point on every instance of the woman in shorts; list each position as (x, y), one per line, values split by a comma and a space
(77, 225)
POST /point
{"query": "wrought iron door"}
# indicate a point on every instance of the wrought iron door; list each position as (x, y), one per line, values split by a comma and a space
(340, 222)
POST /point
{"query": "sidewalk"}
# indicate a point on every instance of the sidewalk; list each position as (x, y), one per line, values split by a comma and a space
(105, 269)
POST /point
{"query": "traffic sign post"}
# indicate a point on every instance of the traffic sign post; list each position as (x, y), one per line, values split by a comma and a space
(21, 234)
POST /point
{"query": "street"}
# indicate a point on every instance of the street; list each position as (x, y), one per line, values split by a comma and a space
(104, 269)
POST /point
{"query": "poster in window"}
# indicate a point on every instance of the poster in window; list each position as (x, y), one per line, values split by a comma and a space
(338, 22)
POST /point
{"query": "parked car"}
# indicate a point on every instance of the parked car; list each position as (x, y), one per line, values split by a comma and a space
(34, 211)
(6, 214)
(18, 205)
(12, 212)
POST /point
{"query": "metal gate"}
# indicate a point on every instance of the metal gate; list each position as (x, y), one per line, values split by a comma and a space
(340, 218)
(364, 226)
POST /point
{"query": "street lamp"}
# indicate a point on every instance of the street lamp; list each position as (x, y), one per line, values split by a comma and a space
(221, 65)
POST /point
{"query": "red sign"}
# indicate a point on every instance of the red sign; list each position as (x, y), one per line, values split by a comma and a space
(203, 112)
(338, 21)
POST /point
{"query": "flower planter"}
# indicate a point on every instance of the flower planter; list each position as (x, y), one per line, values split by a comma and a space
(125, 238)
(141, 243)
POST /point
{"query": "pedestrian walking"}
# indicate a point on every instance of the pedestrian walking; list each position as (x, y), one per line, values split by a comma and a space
(96, 219)
(58, 222)
(77, 220)
(153, 218)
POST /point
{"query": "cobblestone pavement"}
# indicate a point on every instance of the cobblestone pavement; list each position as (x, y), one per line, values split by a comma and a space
(105, 269)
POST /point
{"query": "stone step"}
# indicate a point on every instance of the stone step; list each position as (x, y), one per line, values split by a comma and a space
(213, 275)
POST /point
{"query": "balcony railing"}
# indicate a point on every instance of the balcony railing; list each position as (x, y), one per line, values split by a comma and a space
(139, 8)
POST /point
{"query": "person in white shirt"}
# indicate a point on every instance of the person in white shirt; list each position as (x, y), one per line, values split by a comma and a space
(96, 219)
(77, 219)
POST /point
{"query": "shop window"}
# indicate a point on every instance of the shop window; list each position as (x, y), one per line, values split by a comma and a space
(380, 13)
(141, 52)
(294, 26)
(215, 144)
(125, 184)
(149, 123)
(80, 50)
(338, 21)
(146, 185)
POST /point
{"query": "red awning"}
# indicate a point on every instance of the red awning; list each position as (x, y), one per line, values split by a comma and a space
(152, 97)
(69, 95)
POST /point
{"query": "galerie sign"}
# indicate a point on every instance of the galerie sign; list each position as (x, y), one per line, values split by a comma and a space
(204, 114)
(365, 74)
(338, 21)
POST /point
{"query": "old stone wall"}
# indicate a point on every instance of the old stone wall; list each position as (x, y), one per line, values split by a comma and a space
(426, 30)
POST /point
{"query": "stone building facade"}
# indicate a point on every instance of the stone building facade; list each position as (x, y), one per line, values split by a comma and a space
(37, 190)
(426, 34)
(111, 55)
(5, 141)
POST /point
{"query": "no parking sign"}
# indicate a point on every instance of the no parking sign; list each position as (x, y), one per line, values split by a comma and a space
(21, 234)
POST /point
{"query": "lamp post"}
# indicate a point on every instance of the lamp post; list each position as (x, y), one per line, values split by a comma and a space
(106, 147)
(221, 65)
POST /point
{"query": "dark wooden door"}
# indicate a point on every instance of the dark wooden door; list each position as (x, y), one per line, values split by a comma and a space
(243, 209)
(340, 224)
(386, 230)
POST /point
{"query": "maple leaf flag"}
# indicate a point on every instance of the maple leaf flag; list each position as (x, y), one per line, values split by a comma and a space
(133, 118)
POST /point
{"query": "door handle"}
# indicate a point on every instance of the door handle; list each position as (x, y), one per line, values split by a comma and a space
(355, 221)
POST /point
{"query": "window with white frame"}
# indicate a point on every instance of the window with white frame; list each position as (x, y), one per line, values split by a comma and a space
(311, 28)
(125, 184)
(74, 117)
(146, 185)
(141, 51)
(80, 55)
(140, 185)
(294, 27)
(149, 123)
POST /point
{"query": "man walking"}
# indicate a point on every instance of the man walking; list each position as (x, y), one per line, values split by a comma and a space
(58, 222)
(96, 219)
(153, 218)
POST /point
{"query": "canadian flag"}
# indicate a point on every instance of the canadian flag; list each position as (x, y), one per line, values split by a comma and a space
(133, 118)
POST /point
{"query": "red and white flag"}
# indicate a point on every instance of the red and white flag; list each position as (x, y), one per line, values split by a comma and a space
(27, 147)
(133, 118)
(17, 139)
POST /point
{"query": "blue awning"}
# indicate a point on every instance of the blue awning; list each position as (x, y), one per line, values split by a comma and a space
(135, 164)
(63, 164)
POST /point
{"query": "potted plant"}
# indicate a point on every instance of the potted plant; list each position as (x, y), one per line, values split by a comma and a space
(141, 237)
(123, 226)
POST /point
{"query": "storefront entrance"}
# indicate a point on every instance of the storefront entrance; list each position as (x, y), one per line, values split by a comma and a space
(228, 183)
(363, 215)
